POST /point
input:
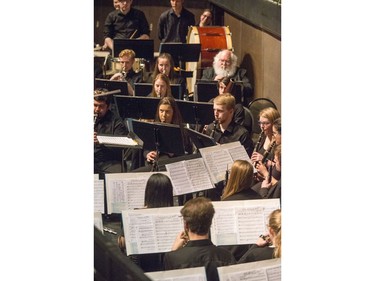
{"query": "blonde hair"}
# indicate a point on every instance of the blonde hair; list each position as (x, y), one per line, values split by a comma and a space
(226, 99)
(127, 53)
(241, 177)
(270, 113)
(274, 223)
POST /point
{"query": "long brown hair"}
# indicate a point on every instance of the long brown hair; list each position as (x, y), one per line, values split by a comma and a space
(241, 175)
(169, 100)
(164, 78)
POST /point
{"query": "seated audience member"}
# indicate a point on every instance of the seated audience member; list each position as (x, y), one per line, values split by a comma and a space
(165, 64)
(161, 87)
(225, 65)
(268, 246)
(224, 129)
(270, 187)
(173, 25)
(127, 58)
(239, 183)
(123, 23)
(158, 194)
(106, 159)
(193, 247)
(205, 18)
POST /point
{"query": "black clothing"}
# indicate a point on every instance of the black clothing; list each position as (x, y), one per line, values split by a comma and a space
(172, 28)
(120, 26)
(256, 253)
(239, 113)
(245, 194)
(133, 77)
(234, 132)
(108, 159)
(273, 192)
(239, 75)
(198, 253)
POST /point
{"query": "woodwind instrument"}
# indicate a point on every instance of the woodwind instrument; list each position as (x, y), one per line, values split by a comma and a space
(268, 151)
(256, 147)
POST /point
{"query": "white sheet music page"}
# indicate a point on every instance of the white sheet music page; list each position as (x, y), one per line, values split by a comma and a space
(267, 270)
(241, 222)
(126, 191)
(151, 230)
(117, 140)
(185, 274)
(189, 176)
(98, 195)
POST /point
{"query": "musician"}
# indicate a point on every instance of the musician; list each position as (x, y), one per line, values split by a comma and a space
(225, 65)
(224, 129)
(161, 87)
(125, 22)
(206, 18)
(174, 23)
(267, 117)
(192, 246)
(106, 159)
(126, 59)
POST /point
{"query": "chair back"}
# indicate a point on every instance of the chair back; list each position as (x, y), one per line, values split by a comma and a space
(256, 106)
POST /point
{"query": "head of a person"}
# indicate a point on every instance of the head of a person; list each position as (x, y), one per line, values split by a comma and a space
(274, 229)
(206, 17)
(276, 130)
(116, 4)
(197, 214)
(125, 5)
(177, 4)
(102, 102)
(224, 108)
(266, 118)
(168, 112)
(277, 157)
(240, 178)
(161, 86)
(225, 63)
(225, 85)
(126, 59)
(159, 191)
(164, 64)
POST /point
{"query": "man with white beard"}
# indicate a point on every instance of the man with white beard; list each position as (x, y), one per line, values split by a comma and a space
(225, 65)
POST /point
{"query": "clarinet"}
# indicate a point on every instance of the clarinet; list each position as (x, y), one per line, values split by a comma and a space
(269, 174)
(95, 118)
(256, 147)
(214, 128)
(267, 152)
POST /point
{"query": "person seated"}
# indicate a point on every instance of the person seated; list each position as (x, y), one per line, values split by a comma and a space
(124, 22)
(268, 245)
(205, 18)
(106, 159)
(127, 59)
(193, 247)
(225, 65)
(161, 87)
(158, 194)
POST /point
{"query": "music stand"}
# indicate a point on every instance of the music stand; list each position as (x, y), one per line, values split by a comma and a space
(196, 112)
(112, 85)
(159, 137)
(144, 89)
(136, 107)
(205, 90)
(143, 48)
(181, 52)
(200, 140)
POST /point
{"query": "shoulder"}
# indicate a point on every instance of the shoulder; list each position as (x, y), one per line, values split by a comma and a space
(187, 12)
(165, 13)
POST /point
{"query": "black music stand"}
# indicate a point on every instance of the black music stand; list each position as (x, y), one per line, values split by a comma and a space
(182, 52)
(112, 85)
(143, 48)
(136, 107)
(205, 90)
(200, 140)
(144, 89)
(159, 137)
(196, 112)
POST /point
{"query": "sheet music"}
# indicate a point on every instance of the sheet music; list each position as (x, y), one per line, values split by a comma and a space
(242, 221)
(217, 161)
(267, 270)
(151, 230)
(117, 140)
(98, 195)
(98, 221)
(126, 191)
(185, 274)
(189, 176)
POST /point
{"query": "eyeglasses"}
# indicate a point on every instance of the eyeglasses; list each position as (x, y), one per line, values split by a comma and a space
(263, 123)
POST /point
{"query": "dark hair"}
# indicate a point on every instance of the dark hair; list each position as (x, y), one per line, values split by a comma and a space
(277, 125)
(99, 97)
(176, 118)
(159, 191)
(198, 213)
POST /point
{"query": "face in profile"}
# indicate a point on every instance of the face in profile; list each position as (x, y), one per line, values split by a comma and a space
(164, 66)
(165, 113)
(160, 88)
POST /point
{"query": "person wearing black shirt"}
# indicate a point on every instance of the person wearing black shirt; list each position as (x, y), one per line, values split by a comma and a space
(173, 25)
(125, 22)
(106, 159)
